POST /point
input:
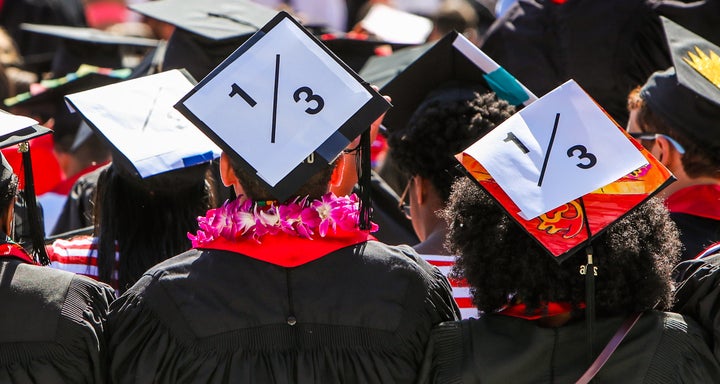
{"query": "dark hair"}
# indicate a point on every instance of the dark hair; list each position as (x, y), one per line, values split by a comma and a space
(441, 129)
(701, 158)
(634, 256)
(8, 192)
(255, 189)
(148, 218)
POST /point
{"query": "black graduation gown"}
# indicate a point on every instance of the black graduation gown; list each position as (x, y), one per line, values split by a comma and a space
(662, 347)
(361, 314)
(51, 330)
(696, 233)
(698, 294)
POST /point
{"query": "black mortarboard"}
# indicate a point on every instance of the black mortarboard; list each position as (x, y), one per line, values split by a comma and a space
(50, 90)
(688, 95)
(207, 32)
(379, 70)
(18, 130)
(86, 46)
(356, 49)
(281, 99)
(149, 137)
(451, 59)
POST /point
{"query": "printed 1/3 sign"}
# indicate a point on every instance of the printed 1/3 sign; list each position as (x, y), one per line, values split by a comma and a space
(278, 101)
(557, 149)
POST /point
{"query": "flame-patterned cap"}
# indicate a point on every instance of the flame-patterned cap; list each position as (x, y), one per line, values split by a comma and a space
(687, 96)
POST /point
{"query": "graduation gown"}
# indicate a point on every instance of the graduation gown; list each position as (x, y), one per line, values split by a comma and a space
(662, 347)
(360, 314)
(51, 330)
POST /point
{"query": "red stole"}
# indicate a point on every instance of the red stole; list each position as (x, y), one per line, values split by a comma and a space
(290, 251)
(12, 250)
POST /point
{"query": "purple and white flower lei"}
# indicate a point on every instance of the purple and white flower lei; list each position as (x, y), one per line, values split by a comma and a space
(300, 217)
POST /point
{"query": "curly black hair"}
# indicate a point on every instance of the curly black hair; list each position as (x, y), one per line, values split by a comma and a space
(634, 256)
(439, 130)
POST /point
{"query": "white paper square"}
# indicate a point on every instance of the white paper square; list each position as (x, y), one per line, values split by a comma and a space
(138, 118)
(581, 123)
(247, 128)
(10, 123)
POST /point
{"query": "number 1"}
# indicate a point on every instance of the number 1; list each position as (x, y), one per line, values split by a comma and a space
(511, 137)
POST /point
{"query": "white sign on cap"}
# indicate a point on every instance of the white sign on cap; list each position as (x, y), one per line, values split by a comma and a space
(10, 123)
(138, 118)
(557, 149)
(278, 101)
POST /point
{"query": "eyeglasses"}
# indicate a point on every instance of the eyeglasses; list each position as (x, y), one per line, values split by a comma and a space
(653, 136)
(402, 205)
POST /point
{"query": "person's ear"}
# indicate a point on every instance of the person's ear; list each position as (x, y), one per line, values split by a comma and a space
(338, 173)
(419, 189)
(227, 175)
(664, 150)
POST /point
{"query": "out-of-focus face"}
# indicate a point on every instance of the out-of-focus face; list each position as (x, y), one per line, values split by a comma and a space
(633, 127)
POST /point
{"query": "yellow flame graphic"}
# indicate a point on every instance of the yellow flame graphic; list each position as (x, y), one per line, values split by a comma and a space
(706, 65)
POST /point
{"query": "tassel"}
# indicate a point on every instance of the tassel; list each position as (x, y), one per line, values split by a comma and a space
(364, 173)
(35, 225)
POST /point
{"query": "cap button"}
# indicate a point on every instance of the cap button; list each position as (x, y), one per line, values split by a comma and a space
(291, 320)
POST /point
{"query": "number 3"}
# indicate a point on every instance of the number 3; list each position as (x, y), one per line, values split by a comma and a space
(309, 97)
(584, 154)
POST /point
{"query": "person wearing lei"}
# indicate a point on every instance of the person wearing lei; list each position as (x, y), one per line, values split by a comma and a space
(280, 291)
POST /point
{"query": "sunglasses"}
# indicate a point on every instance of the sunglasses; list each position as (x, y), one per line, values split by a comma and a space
(653, 136)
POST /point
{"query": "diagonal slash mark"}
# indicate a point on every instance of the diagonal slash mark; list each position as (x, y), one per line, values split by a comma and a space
(152, 107)
(550, 145)
(275, 97)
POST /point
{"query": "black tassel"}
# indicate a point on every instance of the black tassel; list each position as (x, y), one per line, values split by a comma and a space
(364, 180)
(35, 225)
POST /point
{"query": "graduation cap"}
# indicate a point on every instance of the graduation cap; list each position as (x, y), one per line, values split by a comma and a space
(687, 96)
(45, 99)
(379, 70)
(283, 106)
(91, 46)
(564, 170)
(206, 32)
(451, 59)
(18, 130)
(393, 25)
(148, 135)
(356, 49)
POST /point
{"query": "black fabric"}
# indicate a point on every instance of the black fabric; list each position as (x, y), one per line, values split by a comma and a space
(608, 47)
(79, 208)
(38, 50)
(698, 294)
(52, 327)
(662, 347)
(699, 16)
(361, 314)
(696, 233)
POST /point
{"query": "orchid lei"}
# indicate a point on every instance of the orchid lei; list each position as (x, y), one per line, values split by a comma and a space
(300, 217)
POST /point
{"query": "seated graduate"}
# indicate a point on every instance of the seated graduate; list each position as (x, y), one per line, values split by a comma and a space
(675, 115)
(543, 318)
(285, 283)
(149, 197)
(454, 108)
(52, 329)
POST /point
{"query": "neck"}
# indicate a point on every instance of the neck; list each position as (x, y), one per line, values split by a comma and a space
(434, 242)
